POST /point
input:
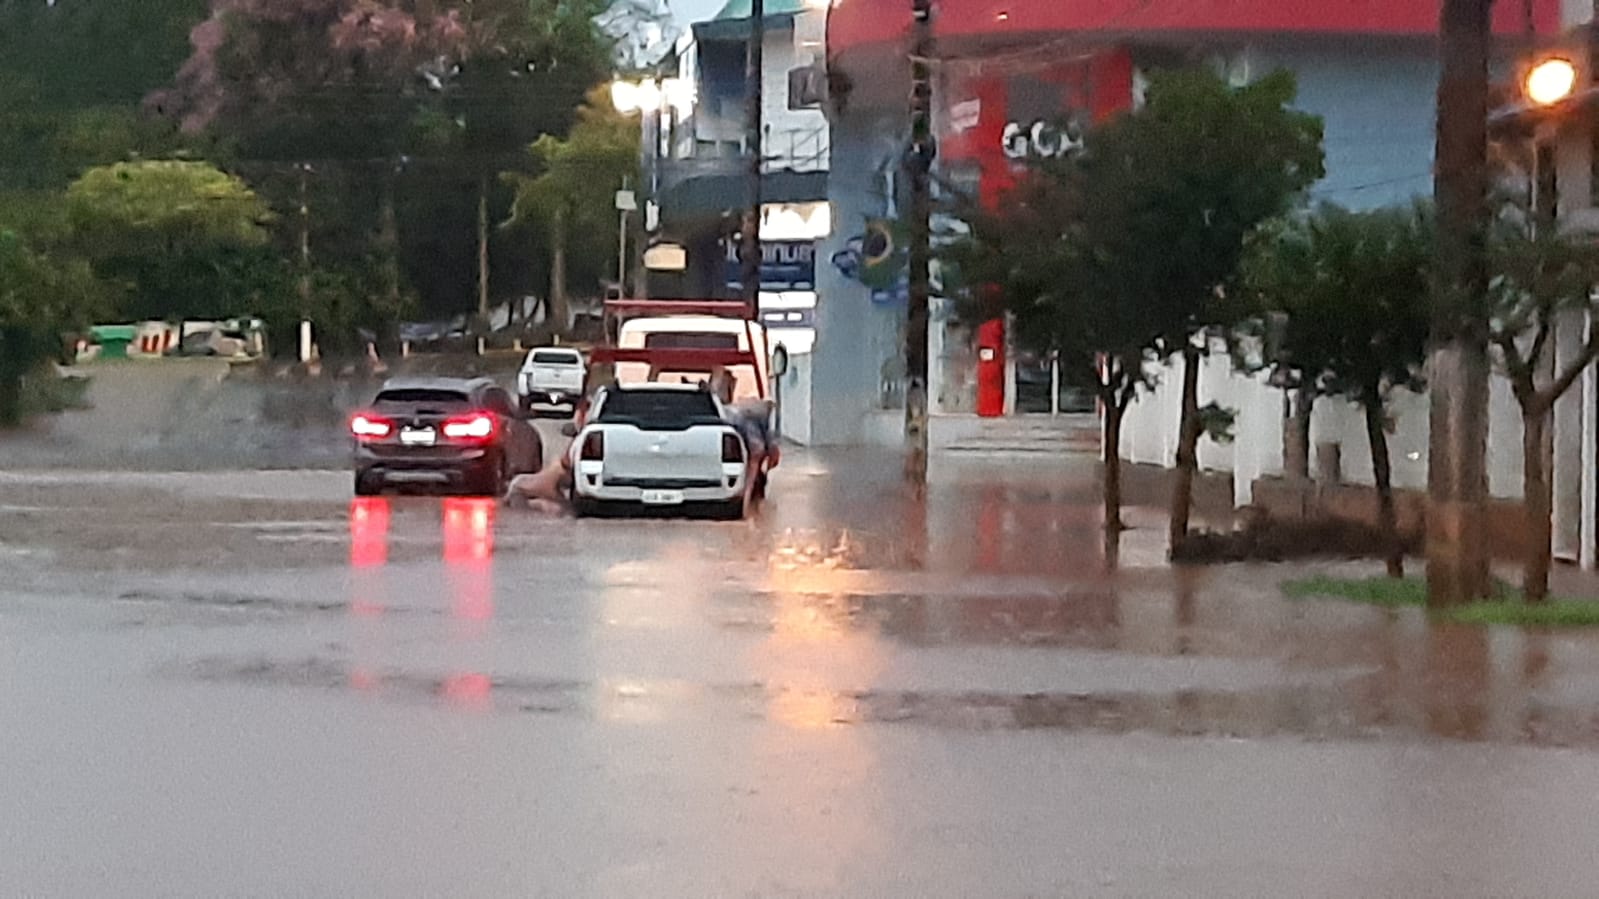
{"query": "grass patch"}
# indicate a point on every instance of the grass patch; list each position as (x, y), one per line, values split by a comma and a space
(1507, 609)
(1554, 613)
(1390, 593)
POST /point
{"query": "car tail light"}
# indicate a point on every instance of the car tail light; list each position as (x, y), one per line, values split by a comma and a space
(732, 449)
(371, 427)
(593, 447)
(477, 426)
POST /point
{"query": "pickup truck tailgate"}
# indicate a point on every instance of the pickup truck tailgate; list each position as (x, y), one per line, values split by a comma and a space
(567, 378)
(647, 456)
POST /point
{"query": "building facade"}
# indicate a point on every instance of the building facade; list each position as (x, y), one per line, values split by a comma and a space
(1007, 76)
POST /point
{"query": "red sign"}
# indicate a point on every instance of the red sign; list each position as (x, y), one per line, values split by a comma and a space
(858, 24)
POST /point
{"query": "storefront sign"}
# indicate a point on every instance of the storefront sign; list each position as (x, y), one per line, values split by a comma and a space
(785, 265)
(1040, 140)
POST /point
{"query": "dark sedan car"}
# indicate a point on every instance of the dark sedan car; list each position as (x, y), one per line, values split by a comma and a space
(443, 432)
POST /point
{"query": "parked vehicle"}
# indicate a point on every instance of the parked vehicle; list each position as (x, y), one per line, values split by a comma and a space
(552, 380)
(443, 432)
(682, 337)
(660, 446)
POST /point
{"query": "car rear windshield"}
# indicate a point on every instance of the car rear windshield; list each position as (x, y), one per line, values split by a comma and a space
(550, 358)
(442, 399)
(659, 409)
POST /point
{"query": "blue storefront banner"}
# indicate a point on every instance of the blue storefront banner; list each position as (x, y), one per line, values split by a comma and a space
(787, 265)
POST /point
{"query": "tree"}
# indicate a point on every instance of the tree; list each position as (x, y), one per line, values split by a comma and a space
(1177, 188)
(571, 199)
(406, 108)
(1541, 280)
(39, 298)
(1038, 253)
(1352, 288)
(161, 228)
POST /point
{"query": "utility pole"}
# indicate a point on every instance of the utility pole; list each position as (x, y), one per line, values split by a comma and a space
(305, 237)
(918, 164)
(305, 262)
(1457, 474)
(750, 229)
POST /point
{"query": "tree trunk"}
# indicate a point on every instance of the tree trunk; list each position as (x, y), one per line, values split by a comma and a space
(389, 243)
(1382, 470)
(1296, 457)
(483, 251)
(14, 364)
(1537, 500)
(1182, 501)
(559, 309)
(1112, 443)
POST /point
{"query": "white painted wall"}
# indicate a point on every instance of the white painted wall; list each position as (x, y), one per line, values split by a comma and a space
(795, 396)
(1151, 430)
(796, 139)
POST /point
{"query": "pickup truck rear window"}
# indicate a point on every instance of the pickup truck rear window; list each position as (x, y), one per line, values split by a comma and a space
(661, 409)
(557, 359)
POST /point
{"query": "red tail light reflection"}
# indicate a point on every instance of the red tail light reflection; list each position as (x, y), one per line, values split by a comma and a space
(369, 532)
(470, 689)
(469, 556)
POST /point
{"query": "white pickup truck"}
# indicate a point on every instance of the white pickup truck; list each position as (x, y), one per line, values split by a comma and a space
(659, 446)
(552, 380)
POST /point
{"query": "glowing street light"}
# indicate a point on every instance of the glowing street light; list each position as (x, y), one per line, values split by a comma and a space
(1551, 81)
(651, 96)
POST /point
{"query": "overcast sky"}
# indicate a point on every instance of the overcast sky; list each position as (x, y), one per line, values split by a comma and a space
(691, 11)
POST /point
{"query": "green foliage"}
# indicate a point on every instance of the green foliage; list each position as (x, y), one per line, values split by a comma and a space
(171, 232)
(39, 298)
(1127, 248)
(72, 75)
(571, 199)
(1352, 289)
(144, 206)
(1538, 275)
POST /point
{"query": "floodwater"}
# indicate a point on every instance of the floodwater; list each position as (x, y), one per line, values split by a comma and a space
(249, 684)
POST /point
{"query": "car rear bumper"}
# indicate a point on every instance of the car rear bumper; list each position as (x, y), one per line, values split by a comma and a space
(451, 470)
(550, 399)
(679, 495)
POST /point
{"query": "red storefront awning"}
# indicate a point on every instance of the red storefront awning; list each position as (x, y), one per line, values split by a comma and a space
(857, 23)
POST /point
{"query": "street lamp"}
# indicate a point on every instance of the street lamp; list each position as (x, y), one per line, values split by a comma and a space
(1551, 81)
(652, 100)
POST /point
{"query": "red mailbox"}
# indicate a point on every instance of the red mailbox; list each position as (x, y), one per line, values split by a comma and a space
(991, 368)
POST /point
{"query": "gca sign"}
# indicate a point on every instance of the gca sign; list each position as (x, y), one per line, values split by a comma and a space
(1041, 139)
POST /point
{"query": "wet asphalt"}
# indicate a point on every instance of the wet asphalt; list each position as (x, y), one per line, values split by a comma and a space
(249, 684)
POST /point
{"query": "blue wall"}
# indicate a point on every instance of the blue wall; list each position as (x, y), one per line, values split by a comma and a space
(1378, 103)
(848, 367)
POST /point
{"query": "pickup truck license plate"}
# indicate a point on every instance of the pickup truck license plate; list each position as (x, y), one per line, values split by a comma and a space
(663, 497)
(420, 437)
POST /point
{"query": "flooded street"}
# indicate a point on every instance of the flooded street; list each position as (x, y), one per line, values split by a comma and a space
(249, 684)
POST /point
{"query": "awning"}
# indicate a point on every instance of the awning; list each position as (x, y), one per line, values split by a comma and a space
(738, 30)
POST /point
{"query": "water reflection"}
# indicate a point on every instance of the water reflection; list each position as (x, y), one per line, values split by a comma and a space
(467, 550)
(469, 557)
(369, 552)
